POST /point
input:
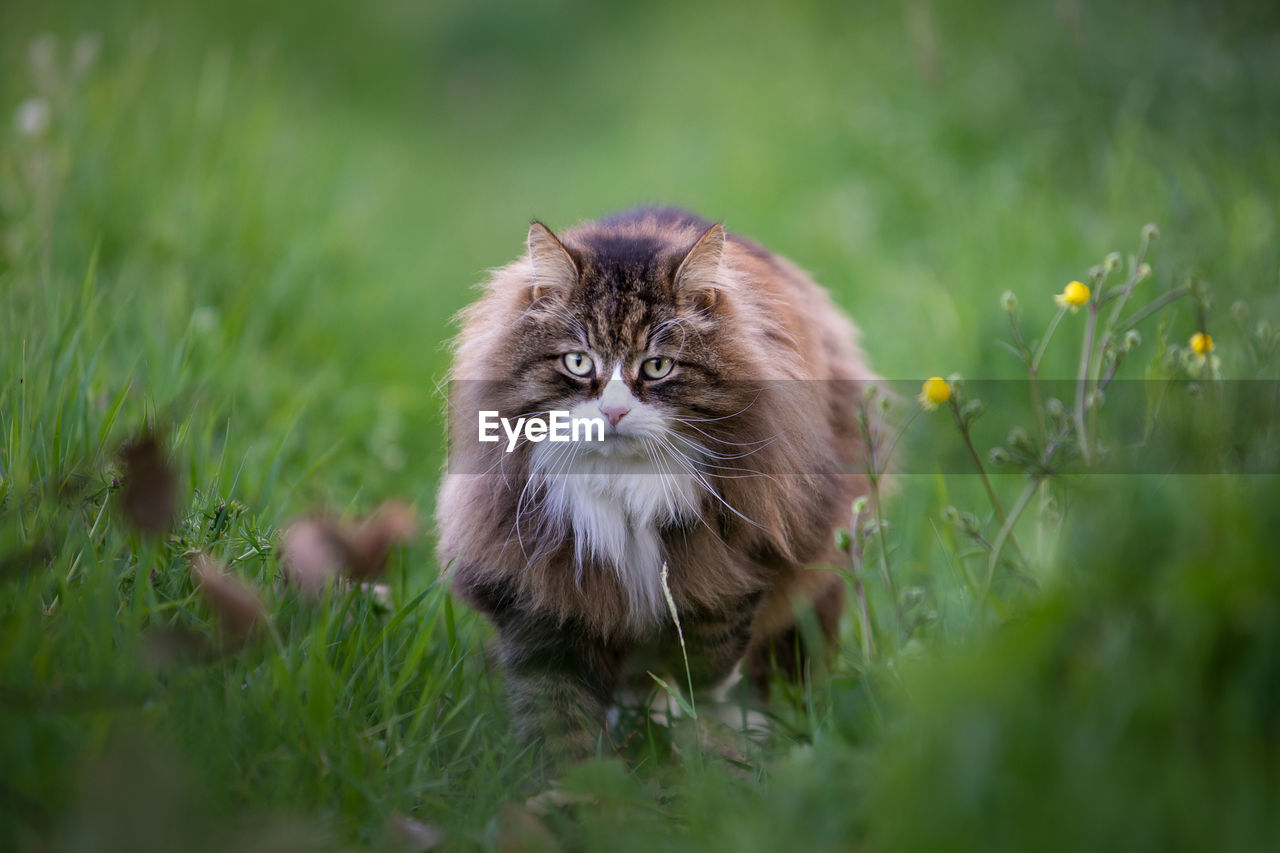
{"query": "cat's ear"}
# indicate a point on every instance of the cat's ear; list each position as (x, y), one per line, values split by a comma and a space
(553, 269)
(698, 280)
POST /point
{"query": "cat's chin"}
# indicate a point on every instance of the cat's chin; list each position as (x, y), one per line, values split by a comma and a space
(616, 445)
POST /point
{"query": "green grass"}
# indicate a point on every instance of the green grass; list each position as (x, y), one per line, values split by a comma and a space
(251, 226)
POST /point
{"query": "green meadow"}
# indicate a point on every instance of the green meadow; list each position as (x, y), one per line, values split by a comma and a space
(247, 226)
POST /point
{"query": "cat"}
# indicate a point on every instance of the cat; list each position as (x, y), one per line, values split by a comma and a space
(730, 383)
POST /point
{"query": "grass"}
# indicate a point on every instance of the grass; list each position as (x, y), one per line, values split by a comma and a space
(251, 226)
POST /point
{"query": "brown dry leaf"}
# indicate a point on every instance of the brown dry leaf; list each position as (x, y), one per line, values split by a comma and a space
(413, 835)
(239, 610)
(318, 548)
(368, 544)
(310, 555)
(149, 494)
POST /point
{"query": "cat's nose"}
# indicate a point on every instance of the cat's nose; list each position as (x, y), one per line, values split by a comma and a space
(614, 412)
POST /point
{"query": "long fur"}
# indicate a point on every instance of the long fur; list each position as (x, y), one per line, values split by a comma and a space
(748, 471)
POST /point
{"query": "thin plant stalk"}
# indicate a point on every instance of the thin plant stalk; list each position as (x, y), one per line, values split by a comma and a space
(1005, 531)
(884, 555)
(1044, 342)
(675, 617)
(982, 472)
(853, 557)
(864, 620)
(1155, 305)
(1086, 353)
(873, 479)
(1025, 352)
(1033, 371)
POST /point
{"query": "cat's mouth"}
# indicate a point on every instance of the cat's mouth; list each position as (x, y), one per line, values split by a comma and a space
(616, 443)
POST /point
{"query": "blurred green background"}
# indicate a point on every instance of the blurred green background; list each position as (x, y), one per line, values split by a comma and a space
(251, 224)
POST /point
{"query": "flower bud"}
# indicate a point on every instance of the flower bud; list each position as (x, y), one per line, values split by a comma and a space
(1112, 262)
(84, 53)
(42, 59)
(1055, 408)
(911, 597)
(1143, 272)
(32, 117)
(1191, 363)
(1132, 339)
(950, 514)
(1009, 301)
(1095, 399)
(860, 505)
(972, 410)
(1150, 232)
(1018, 439)
(1239, 310)
(843, 540)
(998, 456)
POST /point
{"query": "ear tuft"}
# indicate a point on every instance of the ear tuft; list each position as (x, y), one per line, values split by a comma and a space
(698, 277)
(553, 269)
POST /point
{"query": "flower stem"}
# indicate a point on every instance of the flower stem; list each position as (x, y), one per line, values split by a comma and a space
(873, 481)
(864, 620)
(1025, 352)
(1044, 342)
(888, 454)
(1006, 531)
(1086, 353)
(1156, 304)
(853, 562)
(884, 558)
(982, 472)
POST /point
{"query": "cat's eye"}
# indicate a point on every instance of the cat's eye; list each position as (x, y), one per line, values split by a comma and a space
(656, 368)
(578, 363)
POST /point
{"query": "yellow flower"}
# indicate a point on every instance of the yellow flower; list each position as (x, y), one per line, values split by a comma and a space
(1073, 296)
(1201, 344)
(935, 392)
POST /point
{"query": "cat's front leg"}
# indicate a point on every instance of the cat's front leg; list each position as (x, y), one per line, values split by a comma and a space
(715, 642)
(561, 679)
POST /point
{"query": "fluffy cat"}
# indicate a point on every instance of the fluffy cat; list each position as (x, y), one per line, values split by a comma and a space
(729, 382)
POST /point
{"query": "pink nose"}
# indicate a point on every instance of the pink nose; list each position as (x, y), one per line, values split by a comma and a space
(614, 413)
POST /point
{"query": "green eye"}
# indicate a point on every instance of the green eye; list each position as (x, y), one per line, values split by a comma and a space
(578, 363)
(656, 368)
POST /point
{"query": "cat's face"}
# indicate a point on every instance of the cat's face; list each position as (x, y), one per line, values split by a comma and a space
(636, 338)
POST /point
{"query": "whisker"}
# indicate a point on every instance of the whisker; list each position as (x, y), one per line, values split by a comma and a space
(722, 457)
(684, 463)
(725, 441)
(732, 415)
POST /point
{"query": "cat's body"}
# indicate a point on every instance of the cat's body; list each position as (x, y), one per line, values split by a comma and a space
(730, 383)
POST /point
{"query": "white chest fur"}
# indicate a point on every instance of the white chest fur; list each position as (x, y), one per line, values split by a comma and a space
(615, 504)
